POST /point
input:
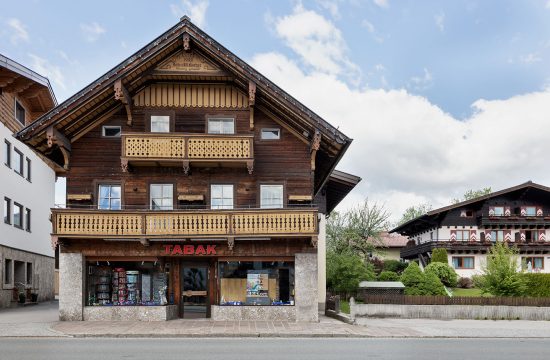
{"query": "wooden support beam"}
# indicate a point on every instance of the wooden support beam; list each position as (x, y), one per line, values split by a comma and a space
(315, 144)
(251, 101)
(122, 94)
(55, 137)
(186, 42)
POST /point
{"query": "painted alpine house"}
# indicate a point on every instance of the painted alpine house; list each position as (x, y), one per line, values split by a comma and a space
(519, 215)
(195, 188)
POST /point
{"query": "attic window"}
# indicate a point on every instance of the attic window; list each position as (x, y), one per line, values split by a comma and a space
(111, 131)
(19, 112)
(271, 134)
(466, 213)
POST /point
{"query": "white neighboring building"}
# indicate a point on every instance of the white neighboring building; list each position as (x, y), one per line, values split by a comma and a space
(27, 189)
(519, 215)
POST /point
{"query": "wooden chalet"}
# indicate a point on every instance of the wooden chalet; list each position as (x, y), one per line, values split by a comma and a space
(519, 216)
(195, 186)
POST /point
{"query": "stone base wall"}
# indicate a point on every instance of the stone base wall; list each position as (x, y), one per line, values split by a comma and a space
(43, 268)
(130, 313)
(361, 312)
(306, 287)
(71, 286)
(258, 313)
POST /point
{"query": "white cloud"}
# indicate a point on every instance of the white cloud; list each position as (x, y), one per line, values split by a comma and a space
(422, 82)
(372, 30)
(47, 69)
(440, 21)
(196, 10)
(381, 3)
(18, 31)
(92, 31)
(530, 58)
(331, 6)
(318, 42)
(408, 151)
(548, 4)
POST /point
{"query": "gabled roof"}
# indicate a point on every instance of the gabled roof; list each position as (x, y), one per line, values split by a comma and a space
(429, 217)
(96, 100)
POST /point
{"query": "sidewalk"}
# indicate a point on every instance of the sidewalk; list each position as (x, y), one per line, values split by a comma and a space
(41, 321)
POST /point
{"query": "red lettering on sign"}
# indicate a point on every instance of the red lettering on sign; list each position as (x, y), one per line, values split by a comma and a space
(167, 249)
(177, 250)
(210, 249)
(188, 249)
(200, 250)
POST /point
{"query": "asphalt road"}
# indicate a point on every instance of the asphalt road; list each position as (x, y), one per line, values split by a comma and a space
(268, 349)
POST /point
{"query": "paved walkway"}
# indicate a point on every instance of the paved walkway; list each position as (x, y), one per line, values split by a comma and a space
(41, 321)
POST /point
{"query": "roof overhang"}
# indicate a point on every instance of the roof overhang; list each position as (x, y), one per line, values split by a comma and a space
(338, 186)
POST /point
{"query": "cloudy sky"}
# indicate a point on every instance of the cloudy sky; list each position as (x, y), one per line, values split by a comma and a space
(440, 97)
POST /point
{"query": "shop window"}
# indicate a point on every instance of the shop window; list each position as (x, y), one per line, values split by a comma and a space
(18, 161)
(162, 196)
(533, 262)
(126, 283)
(221, 126)
(7, 153)
(19, 112)
(221, 196)
(28, 219)
(7, 210)
(18, 215)
(109, 197)
(8, 272)
(28, 162)
(271, 196)
(271, 134)
(256, 283)
(29, 274)
(110, 131)
(160, 123)
(463, 262)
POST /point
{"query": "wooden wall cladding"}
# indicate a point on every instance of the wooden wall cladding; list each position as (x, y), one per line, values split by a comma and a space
(188, 95)
(96, 159)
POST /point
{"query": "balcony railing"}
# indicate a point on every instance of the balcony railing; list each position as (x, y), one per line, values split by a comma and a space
(146, 148)
(177, 223)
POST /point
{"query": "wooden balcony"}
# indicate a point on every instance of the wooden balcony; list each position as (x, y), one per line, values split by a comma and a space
(143, 224)
(177, 149)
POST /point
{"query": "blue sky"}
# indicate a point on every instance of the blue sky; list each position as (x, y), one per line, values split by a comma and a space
(424, 78)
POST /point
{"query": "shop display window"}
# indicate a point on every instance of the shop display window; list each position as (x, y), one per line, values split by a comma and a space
(126, 283)
(256, 282)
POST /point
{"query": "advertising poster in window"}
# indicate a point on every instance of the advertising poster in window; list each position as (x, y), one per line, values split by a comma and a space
(257, 287)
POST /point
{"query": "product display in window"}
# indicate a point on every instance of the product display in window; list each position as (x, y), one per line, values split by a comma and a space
(126, 284)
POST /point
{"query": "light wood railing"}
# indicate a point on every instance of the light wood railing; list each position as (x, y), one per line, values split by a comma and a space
(174, 146)
(200, 223)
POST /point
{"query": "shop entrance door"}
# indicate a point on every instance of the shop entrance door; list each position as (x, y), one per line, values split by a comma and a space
(194, 294)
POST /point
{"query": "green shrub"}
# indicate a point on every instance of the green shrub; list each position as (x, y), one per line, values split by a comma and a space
(537, 285)
(388, 276)
(465, 283)
(444, 272)
(431, 285)
(440, 255)
(412, 276)
(345, 271)
(395, 266)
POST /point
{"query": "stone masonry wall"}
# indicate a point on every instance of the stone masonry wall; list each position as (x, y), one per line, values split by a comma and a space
(71, 286)
(306, 287)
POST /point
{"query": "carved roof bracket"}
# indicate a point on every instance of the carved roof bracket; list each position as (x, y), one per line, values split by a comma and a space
(315, 144)
(186, 42)
(122, 95)
(64, 144)
(251, 101)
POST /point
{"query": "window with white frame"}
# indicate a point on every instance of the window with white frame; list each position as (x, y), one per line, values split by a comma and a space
(18, 215)
(271, 196)
(160, 123)
(221, 196)
(162, 196)
(271, 134)
(7, 210)
(109, 197)
(111, 131)
(7, 153)
(19, 112)
(221, 126)
(498, 210)
(530, 211)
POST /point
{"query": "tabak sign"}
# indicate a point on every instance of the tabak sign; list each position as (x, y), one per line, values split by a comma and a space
(189, 249)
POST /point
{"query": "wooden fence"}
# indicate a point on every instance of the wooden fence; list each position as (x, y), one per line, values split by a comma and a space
(455, 300)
